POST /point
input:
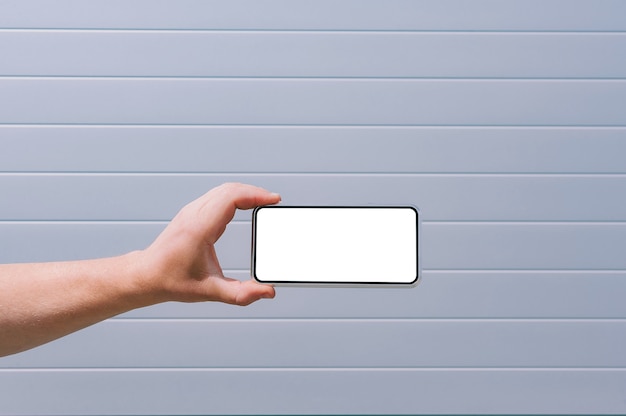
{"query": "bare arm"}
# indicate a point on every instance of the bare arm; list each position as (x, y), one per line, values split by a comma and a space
(43, 301)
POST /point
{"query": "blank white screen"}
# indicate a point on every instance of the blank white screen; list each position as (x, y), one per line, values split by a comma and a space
(336, 245)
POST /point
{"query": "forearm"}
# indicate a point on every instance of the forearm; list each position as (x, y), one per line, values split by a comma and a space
(44, 301)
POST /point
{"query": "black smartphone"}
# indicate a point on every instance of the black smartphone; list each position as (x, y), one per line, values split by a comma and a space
(336, 245)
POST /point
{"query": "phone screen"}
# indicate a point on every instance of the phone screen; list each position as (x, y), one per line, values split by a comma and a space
(335, 245)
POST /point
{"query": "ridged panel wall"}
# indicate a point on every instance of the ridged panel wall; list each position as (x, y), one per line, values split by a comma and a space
(504, 121)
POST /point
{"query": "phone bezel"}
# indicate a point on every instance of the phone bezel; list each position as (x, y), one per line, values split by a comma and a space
(414, 283)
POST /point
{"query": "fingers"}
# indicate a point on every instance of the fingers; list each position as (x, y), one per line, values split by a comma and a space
(200, 224)
(244, 196)
(217, 207)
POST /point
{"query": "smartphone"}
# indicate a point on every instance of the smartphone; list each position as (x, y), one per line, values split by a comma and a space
(336, 245)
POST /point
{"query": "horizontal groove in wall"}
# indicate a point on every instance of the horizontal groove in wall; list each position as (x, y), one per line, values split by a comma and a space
(308, 369)
(312, 31)
(325, 125)
(310, 78)
(312, 126)
(555, 272)
(568, 174)
(338, 78)
(310, 174)
(526, 270)
(248, 222)
(371, 320)
(331, 320)
(498, 271)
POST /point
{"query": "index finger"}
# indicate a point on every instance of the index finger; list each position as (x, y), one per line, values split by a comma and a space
(218, 206)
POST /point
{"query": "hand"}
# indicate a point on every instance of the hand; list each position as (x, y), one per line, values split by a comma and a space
(182, 264)
(41, 302)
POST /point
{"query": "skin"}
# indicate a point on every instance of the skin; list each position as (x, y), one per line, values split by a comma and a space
(40, 302)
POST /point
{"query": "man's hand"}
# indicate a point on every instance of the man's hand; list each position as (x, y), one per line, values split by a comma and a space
(182, 262)
(40, 302)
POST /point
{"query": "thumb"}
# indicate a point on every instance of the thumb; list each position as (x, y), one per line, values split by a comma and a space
(241, 293)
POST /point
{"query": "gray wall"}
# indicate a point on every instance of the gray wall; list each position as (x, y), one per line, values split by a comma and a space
(504, 121)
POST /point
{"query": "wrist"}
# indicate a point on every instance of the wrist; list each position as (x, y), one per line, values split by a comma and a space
(141, 288)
